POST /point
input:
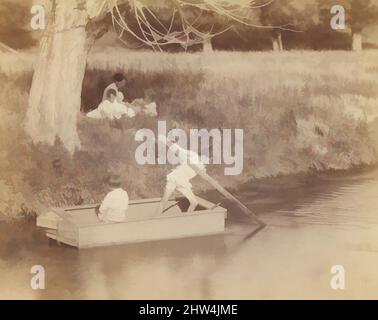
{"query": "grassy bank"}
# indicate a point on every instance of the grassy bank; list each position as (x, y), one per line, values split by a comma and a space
(300, 111)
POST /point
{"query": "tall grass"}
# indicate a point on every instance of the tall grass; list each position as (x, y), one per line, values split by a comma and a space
(300, 111)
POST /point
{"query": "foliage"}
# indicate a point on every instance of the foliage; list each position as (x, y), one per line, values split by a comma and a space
(359, 13)
(14, 22)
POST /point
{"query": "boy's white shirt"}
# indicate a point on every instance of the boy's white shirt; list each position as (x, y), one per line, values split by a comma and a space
(114, 205)
(183, 173)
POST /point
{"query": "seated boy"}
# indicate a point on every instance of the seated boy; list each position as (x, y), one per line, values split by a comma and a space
(114, 206)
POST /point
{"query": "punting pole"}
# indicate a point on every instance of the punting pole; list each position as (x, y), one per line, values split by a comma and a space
(228, 195)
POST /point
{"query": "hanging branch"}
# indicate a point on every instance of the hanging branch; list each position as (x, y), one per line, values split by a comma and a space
(156, 38)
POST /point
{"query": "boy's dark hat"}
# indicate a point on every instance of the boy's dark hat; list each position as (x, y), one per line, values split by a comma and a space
(115, 180)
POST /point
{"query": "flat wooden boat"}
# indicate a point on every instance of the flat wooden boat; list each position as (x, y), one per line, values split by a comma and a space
(80, 227)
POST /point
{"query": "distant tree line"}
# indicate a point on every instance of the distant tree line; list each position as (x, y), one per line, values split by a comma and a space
(275, 25)
(304, 24)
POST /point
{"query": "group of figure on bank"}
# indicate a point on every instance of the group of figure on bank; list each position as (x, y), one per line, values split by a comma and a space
(114, 105)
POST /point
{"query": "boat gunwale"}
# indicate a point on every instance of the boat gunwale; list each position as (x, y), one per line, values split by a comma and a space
(131, 202)
(202, 202)
(207, 204)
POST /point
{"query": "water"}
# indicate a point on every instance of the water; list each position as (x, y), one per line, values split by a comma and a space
(312, 225)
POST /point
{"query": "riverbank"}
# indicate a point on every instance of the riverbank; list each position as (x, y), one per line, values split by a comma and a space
(301, 112)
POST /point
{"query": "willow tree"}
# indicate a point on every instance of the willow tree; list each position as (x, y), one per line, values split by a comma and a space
(55, 94)
(71, 28)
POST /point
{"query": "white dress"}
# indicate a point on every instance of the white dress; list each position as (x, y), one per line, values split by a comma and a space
(111, 110)
(120, 96)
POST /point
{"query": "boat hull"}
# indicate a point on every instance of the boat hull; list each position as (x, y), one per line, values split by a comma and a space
(80, 227)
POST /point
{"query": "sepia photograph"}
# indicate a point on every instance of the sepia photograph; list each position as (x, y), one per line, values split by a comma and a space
(206, 150)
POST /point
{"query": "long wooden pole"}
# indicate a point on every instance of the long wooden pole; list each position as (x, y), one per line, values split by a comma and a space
(228, 195)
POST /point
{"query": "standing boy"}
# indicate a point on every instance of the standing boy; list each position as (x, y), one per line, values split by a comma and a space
(179, 178)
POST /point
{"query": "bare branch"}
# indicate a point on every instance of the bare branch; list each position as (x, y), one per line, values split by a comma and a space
(157, 37)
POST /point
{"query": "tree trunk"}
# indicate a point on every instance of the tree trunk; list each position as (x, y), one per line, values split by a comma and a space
(277, 42)
(55, 94)
(280, 44)
(207, 46)
(357, 42)
(275, 45)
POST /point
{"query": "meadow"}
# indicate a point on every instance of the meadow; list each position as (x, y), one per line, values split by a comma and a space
(301, 111)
